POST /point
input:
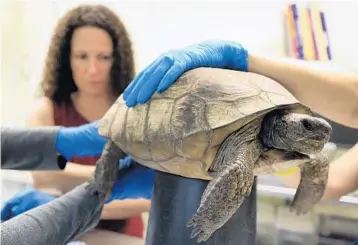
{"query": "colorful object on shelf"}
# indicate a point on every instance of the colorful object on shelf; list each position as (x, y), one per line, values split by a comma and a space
(307, 32)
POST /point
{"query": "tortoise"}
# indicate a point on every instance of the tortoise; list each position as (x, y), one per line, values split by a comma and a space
(224, 126)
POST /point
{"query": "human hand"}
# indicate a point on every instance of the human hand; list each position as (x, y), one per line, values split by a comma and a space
(125, 163)
(80, 141)
(24, 201)
(166, 69)
(134, 181)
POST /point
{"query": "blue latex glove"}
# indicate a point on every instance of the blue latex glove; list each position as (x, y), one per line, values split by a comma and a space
(165, 70)
(80, 141)
(125, 163)
(135, 181)
(24, 201)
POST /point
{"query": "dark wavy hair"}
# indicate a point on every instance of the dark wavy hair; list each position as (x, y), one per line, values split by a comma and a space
(57, 82)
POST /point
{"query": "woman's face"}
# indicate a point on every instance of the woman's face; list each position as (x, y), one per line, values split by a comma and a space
(91, 60)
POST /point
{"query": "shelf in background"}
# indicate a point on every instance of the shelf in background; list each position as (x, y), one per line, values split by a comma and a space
(288, 193)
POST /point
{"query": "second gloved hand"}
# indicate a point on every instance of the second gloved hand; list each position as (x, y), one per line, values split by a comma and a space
(24, 201)
(136, 181)
(165, 70)
(126, 162)
(80, 141)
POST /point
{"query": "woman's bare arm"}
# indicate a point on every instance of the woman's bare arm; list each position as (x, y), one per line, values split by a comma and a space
(125, 209)
(328, 91)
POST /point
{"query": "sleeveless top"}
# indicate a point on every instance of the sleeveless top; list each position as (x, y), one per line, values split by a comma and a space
(69, 116)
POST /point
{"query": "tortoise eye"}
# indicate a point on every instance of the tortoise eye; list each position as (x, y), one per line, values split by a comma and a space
(307, 124)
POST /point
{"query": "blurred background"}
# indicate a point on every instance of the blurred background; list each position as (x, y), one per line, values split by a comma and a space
(266, 27)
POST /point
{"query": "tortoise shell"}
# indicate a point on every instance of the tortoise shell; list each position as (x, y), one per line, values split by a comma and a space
(180, 130)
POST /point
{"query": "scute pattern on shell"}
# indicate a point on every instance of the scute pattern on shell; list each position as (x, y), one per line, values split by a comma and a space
(180, 130)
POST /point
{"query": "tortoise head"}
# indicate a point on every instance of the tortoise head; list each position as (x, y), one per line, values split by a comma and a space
(291, 131)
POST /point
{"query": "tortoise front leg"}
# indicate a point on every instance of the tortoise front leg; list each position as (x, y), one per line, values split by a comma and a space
(314, 176)
(234, 177)
(107, 166)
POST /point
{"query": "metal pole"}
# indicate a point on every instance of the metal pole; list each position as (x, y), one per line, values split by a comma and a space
(175, 199)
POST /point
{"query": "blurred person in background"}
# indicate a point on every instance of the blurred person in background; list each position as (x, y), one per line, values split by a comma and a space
(88, 65)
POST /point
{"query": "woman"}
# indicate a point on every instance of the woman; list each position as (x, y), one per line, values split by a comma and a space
(88, 65)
